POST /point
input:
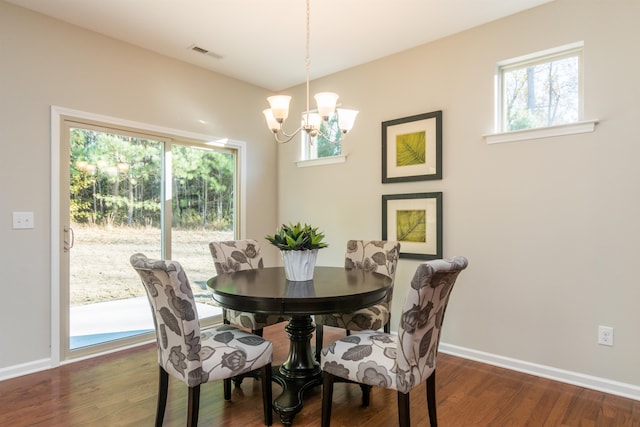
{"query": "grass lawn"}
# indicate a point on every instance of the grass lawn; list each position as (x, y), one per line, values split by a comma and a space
(100, 268)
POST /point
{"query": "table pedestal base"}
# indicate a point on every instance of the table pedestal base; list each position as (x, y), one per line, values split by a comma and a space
(299, 372)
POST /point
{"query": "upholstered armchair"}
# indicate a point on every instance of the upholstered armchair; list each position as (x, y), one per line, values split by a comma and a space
(190, 355)
(370, 255)
(238, 255)
(399, 362)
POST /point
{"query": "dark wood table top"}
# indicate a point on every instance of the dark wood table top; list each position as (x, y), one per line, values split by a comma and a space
(333, 289)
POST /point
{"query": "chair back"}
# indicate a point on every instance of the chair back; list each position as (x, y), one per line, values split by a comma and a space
(421, 320)
(174, 315)
(236, 255)
(374, 255)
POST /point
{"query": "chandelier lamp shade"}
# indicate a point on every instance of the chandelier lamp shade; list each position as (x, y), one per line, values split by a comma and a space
(311, 122)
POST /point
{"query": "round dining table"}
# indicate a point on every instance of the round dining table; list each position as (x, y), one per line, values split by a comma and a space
(267, 290)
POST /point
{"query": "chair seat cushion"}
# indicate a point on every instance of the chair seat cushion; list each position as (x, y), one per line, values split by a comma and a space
(227, 351)
(254, 321)
(368, 318)
(367, 357)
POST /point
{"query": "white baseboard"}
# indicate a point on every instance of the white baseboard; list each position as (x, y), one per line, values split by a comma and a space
(575, 378)
(44, 364)
(25, 369)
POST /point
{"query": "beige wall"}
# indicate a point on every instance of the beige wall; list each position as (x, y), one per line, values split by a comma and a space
(46, 62)
(550, 226)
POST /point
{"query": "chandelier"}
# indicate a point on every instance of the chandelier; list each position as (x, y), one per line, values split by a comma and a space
(312, 121)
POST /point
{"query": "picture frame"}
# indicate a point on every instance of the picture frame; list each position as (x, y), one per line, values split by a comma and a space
(412, 148)
(414, 220)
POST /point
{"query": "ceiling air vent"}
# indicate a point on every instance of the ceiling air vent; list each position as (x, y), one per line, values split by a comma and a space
(203, 51)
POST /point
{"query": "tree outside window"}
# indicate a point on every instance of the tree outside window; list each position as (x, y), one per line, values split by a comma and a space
(541, 91)
(327, 143)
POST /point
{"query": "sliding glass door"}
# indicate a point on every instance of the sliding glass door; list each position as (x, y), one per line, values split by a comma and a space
(128, 192)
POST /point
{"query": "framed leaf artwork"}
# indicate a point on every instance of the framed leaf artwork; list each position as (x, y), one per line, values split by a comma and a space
(412, 148)
(414, 220)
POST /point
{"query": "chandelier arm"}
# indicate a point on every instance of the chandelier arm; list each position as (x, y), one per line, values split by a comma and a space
(287, 137)
(290, 135)
(328, 138)
(282, 141)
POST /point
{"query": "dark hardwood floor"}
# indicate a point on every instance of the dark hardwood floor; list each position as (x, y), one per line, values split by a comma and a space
(120, 390)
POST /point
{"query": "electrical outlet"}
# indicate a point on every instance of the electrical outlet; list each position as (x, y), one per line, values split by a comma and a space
(605, 335)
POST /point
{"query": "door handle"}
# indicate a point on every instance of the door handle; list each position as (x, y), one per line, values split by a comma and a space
(68, 243)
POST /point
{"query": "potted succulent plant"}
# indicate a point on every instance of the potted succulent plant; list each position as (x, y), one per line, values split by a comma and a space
(299, 246)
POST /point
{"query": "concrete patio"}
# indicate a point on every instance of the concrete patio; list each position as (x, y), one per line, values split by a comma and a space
(107, 321)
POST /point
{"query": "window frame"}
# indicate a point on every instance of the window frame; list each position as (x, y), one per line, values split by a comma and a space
(536, 58)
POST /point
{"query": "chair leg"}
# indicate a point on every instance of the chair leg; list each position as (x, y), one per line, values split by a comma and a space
(319, 332)
(267, 395)
(387, 327)
(227, 388)
(431, 399)
(226, 381)
(327, 398)
(163, 387)
(194, 406)
(404, 410)
(366, 394)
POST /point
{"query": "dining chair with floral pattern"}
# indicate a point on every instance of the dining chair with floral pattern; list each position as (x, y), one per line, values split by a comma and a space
(400, 362)
(238, 255)
(189, 354)
(370, 255)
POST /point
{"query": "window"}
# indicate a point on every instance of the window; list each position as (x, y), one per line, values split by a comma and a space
(328, 143)
(540, 90)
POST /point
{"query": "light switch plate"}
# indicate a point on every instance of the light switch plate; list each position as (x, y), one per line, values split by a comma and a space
(22, 220)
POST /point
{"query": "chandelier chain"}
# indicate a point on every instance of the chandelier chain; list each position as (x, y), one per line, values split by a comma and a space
(307, 61)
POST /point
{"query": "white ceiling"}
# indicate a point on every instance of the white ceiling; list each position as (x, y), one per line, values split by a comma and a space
(263, 41)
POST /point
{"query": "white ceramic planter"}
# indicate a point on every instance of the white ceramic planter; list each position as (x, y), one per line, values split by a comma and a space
(299, 265)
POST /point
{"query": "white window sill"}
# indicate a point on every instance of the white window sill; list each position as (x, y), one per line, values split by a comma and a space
(520, 135)
(322, 161)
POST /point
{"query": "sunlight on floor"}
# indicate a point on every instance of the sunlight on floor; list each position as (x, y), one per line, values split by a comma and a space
(105, 321)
